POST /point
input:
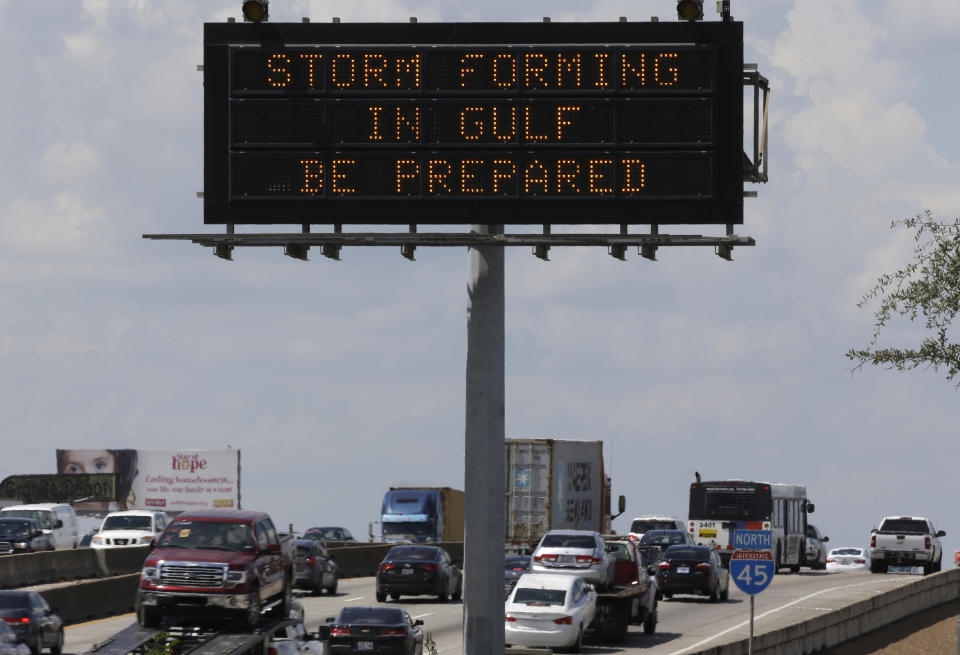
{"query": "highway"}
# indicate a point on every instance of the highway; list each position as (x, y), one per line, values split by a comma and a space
(687, 623)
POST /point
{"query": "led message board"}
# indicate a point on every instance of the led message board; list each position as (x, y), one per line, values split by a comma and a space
(526, 123)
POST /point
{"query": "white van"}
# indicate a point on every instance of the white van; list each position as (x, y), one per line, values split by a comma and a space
(57, 520)
(132, 527)
(643, 524)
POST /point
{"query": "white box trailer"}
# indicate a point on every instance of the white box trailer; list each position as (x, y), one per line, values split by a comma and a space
(554, 484)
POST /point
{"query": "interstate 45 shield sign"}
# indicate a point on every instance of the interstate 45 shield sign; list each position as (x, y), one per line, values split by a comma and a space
(752, 570)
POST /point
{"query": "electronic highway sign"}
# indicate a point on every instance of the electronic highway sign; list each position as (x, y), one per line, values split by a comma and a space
(515, 123)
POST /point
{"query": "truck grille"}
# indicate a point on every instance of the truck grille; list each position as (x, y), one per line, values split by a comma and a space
(191, 575)
(5, 548)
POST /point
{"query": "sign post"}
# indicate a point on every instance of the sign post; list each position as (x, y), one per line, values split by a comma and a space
(752, 566)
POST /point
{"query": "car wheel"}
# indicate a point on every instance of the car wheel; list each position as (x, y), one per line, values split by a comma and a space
(725, 594)
(667, 596)
(147, 618)
(443, 595)
(252, 616)
(332, 589)
(36, 644)
(57, 648)
(650, 622)
(394, 597)
(715, 592)
(459, 592)
(381, 597)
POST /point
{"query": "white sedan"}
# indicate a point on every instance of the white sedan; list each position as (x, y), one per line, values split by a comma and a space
(848, 558)
(549, 610)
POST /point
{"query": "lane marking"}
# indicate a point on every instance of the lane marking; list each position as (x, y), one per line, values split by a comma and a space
(347, 600)
(106, 618)
(777, 609)
(420, 616)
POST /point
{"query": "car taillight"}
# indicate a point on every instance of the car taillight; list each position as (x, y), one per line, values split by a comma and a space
(663, 566)
(508, 618)
(703, 566)
(564, 620)
(633, 537)
(310, 561)
(873, 541)
(271, 651)
(429, 567)
(926, 543)
(392, 632)
(547, 558)
(596, 560)
(387, 567)
(21, 619)
(587, 558)
(730, 547)
(830, 559)
(339, 632)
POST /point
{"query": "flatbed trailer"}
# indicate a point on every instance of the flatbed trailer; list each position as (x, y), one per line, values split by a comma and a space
(190, 639)
(618, 608)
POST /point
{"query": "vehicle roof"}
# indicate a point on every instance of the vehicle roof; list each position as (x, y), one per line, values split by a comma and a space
(676, 547)
(655, 517)
(573, 532)
(546, 580)
(416, 547)
(36, 506)
(222, 515)
(134, 512)
(327, 527)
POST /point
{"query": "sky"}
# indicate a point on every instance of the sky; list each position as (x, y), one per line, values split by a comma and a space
(337, 379)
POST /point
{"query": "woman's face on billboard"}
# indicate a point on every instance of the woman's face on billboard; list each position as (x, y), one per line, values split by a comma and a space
(88, 461)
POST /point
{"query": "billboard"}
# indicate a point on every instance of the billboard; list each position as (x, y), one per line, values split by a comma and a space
(467, 122)
(168, 480)
(58, 488)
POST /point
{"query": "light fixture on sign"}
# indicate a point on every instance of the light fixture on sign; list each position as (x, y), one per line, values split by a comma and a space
(258, 11)
(690, 9)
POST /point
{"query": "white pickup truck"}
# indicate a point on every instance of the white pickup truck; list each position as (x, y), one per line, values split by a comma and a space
(905, 541)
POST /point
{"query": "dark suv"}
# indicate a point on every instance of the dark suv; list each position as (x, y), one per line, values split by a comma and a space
(692, 570)
(20, 535)
(418, 571)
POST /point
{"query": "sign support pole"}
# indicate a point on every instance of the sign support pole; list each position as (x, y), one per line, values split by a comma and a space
(750, 643)
(484, 449)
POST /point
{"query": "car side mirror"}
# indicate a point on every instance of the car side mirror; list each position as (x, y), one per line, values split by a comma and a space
(825, 539)
(651, 569)
(418, 622)
(874, 531)
(810, 508)
(58, 524)
(329, 619)
(941, 533)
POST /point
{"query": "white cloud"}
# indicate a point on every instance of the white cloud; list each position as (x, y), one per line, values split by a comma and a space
(65, 164)
(65, 224)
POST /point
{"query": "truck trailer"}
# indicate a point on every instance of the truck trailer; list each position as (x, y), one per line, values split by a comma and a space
(554, 484)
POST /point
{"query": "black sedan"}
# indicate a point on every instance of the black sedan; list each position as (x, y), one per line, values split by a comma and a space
(22, 535)
(32, 620)
(418, 571)
(513, 567)
(315, 568)
(329, 534)
(374, 630)
(665, 538)
(693, 570)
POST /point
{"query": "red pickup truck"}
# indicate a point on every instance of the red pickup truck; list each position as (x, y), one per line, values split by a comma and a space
(217, 562)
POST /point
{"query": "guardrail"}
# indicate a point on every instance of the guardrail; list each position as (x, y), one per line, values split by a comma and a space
(852, 621)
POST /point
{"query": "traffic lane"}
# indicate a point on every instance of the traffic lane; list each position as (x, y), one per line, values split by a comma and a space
(689, 623)
(80, 637)
(444, 621)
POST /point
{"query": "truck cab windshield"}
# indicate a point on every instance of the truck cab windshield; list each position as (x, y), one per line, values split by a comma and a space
(208, 535)
(407, 529)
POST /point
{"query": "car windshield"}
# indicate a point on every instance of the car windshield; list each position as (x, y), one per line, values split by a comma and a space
(620, 551)
(370, 615)
(126, 523)
(687, 554)
(662, 538)
(44, 516)
(412, 552)
(14, 529)
(811, 532)
(645, 525)
(327, 534)
(910, 526)
(213, 535)
(14, 600)
(531, 596)
(568, 541)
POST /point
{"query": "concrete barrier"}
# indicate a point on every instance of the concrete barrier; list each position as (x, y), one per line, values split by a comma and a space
(76, 602)
(855, 620)
(120, 561)
(52, 566)
(363, 561)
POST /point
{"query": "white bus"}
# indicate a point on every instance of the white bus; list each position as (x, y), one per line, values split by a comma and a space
(718, 508)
